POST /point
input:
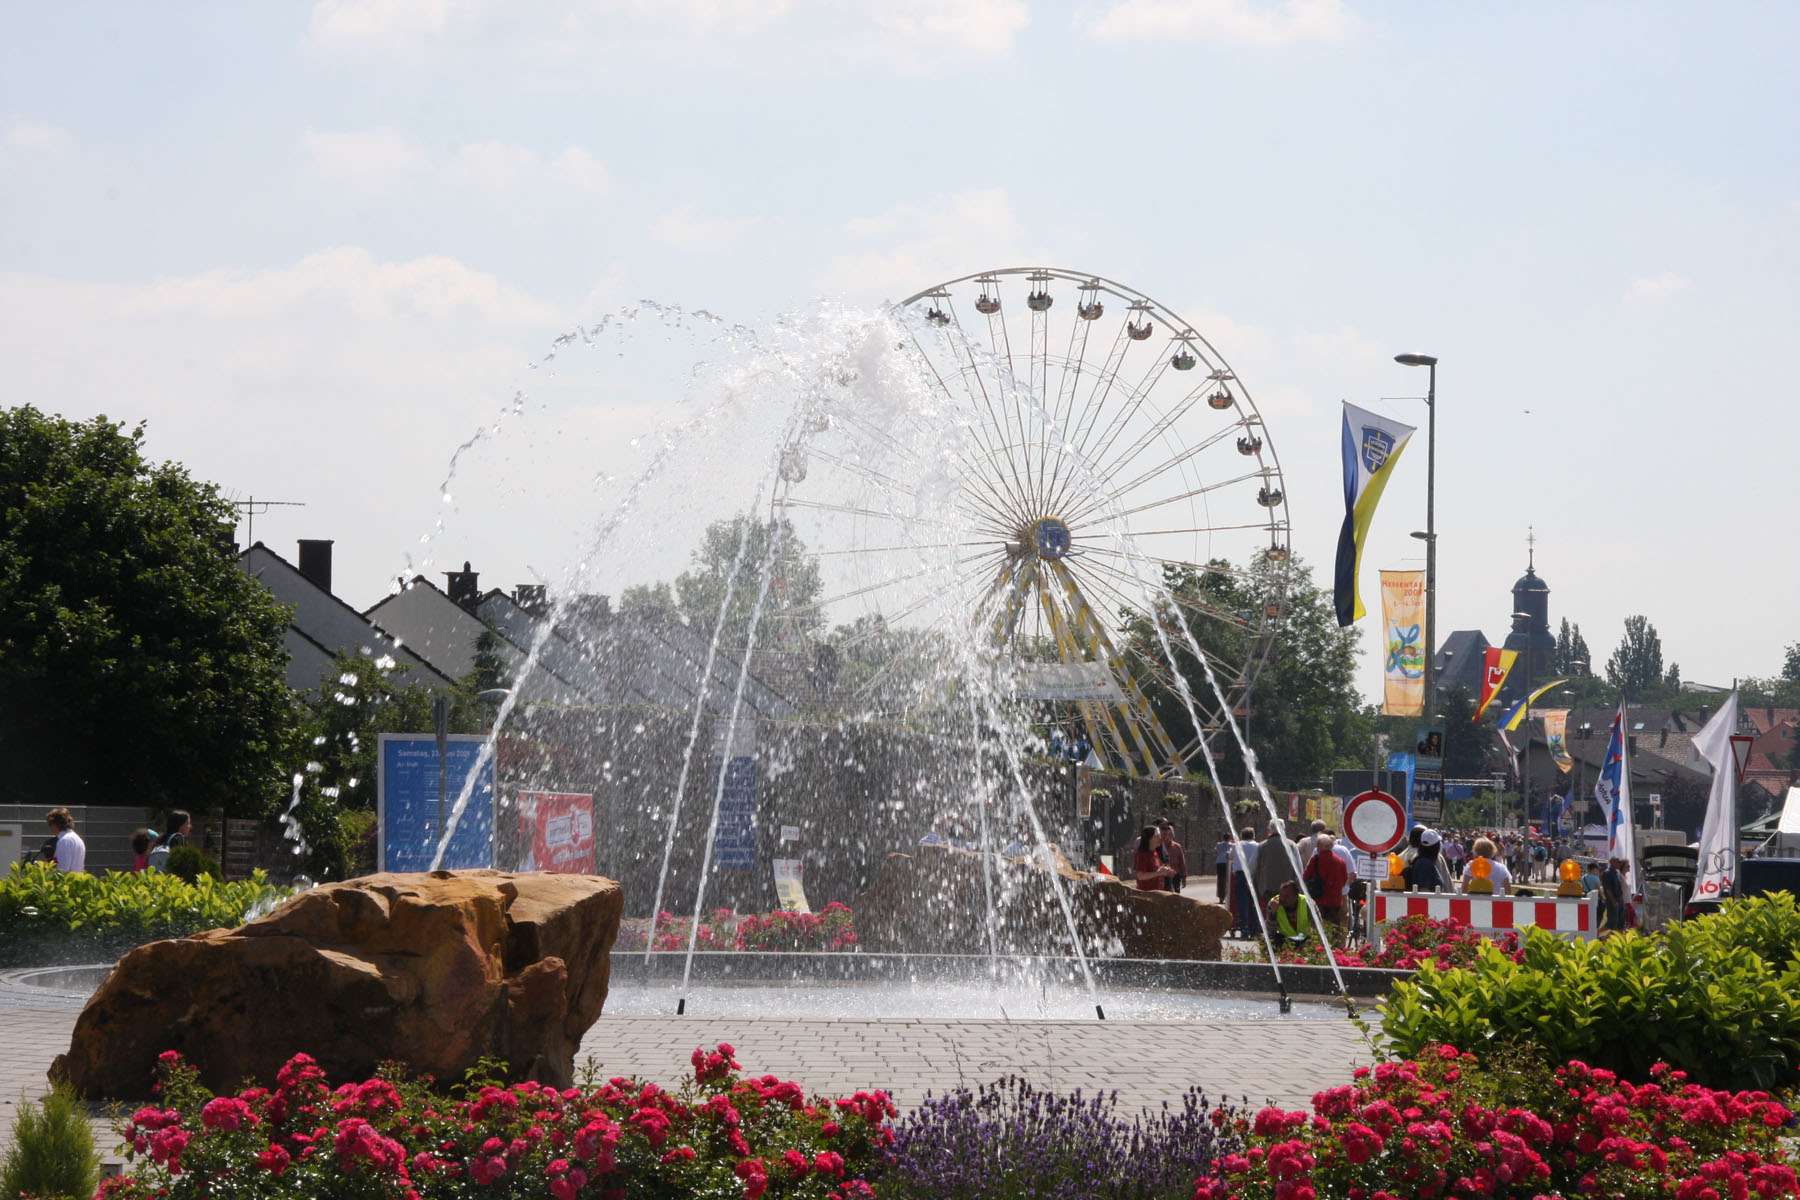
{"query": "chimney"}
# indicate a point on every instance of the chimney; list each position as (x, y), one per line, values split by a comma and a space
(531, 597)
(463, 587)
(315, 562)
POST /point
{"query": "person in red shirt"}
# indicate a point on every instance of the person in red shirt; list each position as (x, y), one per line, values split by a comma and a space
(1147, 865)
(1333, 877)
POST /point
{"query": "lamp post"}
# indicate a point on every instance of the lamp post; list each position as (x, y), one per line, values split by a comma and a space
(1525, 774)
(1429, 537)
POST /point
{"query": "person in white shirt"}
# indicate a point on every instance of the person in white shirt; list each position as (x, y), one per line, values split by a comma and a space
(71, 851)
(1500, 877)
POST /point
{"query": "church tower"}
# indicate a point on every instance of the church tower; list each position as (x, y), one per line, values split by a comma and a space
(1530, 634)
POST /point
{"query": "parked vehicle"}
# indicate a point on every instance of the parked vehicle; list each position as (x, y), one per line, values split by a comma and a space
(1756, 877)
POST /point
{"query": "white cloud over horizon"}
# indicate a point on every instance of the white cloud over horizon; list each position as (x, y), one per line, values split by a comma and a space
(383, 159)
(1231, 22)
(920, 37)
(913, 245)
(1647, 293)
(36, 137)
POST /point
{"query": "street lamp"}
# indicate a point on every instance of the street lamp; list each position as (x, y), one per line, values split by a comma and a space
(1525, 775)
(1429, 537)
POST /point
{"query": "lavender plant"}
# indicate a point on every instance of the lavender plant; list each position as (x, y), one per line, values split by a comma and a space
(1010, 1140)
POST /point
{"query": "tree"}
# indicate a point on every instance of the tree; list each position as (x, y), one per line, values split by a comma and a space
(138, 664)
(1306, 718)
(1790, 665)
(731, 557)
(1465, 743)
(361, 698)
(1636, 666)
(1571, 655)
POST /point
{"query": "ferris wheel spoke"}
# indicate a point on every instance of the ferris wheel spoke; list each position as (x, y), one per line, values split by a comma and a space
(1098, 451)
(1116, 490)
(1207, 568)
(1204, 490)
(950, 396)
(962, 350)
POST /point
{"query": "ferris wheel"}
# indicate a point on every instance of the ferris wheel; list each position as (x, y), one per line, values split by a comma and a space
(1051, 449)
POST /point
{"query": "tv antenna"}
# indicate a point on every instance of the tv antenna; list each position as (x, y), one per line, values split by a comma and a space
(251, 506)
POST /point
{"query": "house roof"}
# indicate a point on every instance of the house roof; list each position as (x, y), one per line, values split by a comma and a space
(1461, 661)
(325, 621)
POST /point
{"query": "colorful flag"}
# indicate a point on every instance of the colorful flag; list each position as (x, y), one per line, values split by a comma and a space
(1556, 737)
(1613, 791)
(1493, 676)
(1517, 712)
(1716, 867)
(1372, 444)
(1403, 617)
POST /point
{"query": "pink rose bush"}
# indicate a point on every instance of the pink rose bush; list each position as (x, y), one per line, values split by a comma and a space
(388, 1138)
(1406, 945)
(1441, 1126)
(831, 928)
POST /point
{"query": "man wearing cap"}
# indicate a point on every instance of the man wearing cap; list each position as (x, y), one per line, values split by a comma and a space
(1423, 872)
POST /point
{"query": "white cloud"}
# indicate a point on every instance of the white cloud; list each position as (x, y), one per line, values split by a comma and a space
(341, 379)
(34, 137)
(1233, 22)
(916, 245)
(919, 36)
(379, 160)
(689, 229)
(346, 280)
(369, 160)
(1648, 293)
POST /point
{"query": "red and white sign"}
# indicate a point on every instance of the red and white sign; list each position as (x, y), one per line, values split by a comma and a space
(1374, 822)
(1740, 750)
(1564, 916)
(557, 831)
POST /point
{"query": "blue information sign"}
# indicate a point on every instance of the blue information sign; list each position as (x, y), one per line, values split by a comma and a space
(734, 842)
(408, 802)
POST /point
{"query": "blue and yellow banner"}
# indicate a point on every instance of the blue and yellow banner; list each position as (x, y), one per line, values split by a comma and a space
(1517, 712)
(1372, 444)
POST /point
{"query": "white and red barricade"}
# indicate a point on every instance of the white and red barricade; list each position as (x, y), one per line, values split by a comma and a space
(1569, 917)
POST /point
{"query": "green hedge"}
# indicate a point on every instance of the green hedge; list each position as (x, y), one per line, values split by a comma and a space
(1717, 997)
(48, 915)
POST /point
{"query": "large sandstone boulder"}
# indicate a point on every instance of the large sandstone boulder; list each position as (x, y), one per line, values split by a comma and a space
(935, 901)
(435, 970)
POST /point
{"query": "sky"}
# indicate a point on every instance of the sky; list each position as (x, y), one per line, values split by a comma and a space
(317, 247)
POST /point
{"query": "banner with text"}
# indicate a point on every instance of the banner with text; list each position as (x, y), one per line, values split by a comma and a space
(556, 830)
(1403, 625)
(1556, 732)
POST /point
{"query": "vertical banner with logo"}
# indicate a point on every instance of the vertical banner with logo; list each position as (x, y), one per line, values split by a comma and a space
(556, 832)
(1556, 732)
(790, 885)
(1495, 669)
(1403, 639)
(734, 841)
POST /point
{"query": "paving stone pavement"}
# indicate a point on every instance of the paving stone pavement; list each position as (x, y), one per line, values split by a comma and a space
(1280, 1061)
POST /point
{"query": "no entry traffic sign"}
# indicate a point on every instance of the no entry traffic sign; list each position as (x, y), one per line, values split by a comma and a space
(1374, 822)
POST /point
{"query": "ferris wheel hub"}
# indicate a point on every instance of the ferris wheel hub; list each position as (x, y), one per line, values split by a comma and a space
(1050, 538)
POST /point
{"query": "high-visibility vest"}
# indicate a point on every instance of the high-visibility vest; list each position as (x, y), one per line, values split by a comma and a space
(1287, 929)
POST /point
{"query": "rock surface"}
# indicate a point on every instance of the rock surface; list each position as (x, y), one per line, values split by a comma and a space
(935, 901)
(435, 970)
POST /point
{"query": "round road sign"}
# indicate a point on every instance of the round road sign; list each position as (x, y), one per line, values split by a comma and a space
(1374, 822)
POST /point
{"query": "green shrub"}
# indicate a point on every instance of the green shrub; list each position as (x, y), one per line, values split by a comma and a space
(52, 1152)
(1690, 995)
(47, 914)
(190, 862)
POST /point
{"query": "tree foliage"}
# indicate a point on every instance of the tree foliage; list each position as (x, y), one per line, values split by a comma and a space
(361, 698)
(138, 664)
(1636, 666)
(1305, 714)
(727, 578)
(1571, 656)
(1465, 743)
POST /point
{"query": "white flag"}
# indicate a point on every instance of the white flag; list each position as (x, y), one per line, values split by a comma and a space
(1716, 868)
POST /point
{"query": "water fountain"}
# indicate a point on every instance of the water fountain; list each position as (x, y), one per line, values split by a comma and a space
(920, 533)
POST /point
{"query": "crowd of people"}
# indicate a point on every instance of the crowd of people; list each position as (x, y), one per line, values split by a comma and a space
(65, 850)
(1261, 881)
